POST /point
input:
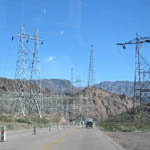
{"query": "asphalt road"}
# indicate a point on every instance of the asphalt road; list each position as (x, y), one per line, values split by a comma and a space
(75, 138)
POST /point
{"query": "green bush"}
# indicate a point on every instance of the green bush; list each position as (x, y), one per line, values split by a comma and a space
(6, 118)
(40, 120)
(33, 120)
(126, 128)
(24, 120)
(116, 126)
(10, 126)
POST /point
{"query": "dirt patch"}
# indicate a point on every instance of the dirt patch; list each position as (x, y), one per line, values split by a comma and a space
(131, 140)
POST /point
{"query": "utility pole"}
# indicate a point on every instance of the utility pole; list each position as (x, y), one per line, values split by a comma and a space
(142, 75)
(27, 76)
(91, 79)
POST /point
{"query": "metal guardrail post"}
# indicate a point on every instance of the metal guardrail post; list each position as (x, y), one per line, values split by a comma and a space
(49, 128)
(57, 126)
(34, 130)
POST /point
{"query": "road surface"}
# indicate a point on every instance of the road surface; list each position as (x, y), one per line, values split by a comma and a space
(75, 138)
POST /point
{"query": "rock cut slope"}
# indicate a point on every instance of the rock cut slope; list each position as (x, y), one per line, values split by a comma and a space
(108, 104)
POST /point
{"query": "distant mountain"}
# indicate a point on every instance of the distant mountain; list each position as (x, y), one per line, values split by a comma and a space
(59, 86)
(118, 87)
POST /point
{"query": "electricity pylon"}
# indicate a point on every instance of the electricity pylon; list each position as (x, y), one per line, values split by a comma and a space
(142, 75)
(27, 76)
(91, 79)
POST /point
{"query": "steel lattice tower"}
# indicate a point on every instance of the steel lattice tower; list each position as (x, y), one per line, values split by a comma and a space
(91, 80)
(78, 100)
(142, 75)
(29, 93)
(20, 74)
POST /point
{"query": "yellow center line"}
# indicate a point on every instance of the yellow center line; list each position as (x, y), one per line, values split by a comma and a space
(59, 140)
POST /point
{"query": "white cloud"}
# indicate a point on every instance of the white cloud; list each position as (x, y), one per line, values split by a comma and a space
(62, 32)
(50, 59)
(44, 11)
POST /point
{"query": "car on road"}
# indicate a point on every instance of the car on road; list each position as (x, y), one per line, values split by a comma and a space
(89, 123)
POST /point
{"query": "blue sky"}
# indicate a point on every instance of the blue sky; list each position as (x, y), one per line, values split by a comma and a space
(68, 28)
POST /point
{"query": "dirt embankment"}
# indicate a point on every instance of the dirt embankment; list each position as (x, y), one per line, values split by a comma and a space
(131, 140)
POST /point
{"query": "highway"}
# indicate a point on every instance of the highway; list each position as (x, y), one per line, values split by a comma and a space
(74, 138)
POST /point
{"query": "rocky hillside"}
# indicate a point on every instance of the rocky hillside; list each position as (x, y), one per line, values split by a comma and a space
(60, 86)
(118, 87)
(9, 85)
(108, 104)
(57, 86)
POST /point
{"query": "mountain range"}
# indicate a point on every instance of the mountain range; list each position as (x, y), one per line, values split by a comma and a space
(61, 86)
(118, 87)
(65, 86)
(106, 103)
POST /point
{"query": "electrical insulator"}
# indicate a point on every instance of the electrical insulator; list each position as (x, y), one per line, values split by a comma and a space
(124, 47)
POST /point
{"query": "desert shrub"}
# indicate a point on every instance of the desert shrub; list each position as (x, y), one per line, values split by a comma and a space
(6, 118)
(126, 128)
(41, 120)
(10, 126)
(24, 120)
(116, 126)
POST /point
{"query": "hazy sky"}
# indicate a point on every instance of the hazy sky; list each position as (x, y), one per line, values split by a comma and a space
(68, 28)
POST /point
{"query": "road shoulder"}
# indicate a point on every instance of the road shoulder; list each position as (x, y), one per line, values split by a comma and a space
(111, 140)
(131, 140)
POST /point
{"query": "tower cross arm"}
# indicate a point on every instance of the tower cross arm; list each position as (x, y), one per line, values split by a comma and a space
(138, 40)
(28, 36)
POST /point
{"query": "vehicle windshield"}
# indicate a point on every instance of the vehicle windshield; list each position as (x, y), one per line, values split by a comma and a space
(74, 74)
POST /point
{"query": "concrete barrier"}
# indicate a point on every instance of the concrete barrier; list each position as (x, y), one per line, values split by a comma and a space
(3, 134)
